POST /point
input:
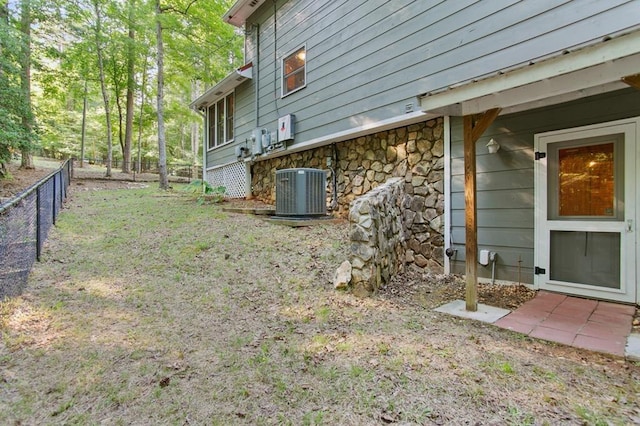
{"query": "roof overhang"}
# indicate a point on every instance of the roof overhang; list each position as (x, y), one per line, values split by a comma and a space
(571, 75)
(226, 85)
(241, 10)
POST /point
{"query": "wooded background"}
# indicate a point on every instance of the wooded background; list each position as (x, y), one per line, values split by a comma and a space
(109, 79)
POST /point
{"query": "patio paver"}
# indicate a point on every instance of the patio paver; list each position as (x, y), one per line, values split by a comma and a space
(584, 323)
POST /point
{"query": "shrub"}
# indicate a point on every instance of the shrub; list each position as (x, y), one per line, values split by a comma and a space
(205, 192)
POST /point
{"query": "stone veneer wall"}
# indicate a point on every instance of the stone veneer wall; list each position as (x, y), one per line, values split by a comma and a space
(414, 152)
(377, 236)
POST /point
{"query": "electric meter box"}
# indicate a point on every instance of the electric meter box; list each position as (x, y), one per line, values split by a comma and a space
(285, 128)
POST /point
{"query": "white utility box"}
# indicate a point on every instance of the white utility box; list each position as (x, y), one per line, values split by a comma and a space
(285, 128)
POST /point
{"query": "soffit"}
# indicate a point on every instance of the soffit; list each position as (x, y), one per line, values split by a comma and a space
(223, 87)
(572, 75)
(241, 10)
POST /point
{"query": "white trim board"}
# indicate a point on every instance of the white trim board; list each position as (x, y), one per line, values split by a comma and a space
(447, 192)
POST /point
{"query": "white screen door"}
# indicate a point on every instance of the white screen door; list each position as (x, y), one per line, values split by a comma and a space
(586, 195)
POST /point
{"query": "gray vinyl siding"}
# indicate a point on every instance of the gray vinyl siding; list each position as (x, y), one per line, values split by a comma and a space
(368, 59)
(505, 181)
(244, 119)
(245, 111)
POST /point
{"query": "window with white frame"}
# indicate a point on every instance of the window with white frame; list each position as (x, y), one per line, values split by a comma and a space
(294, 71)
(221, 121)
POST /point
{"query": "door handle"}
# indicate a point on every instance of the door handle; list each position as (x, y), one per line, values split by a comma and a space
(630, 225)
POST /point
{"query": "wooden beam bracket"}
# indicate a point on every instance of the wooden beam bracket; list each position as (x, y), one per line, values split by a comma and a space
(632, 80)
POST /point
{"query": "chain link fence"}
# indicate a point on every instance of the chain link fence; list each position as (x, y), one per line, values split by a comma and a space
(25, 221)
(181, 169)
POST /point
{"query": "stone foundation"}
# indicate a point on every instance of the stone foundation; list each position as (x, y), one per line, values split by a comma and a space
(413, 153)
(377, 236)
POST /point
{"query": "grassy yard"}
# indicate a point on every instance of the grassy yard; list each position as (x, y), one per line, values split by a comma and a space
(148, 308)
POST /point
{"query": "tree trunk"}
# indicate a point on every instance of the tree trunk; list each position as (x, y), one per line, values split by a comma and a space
(195, 127)
(142, 92)
(162, 149)
(84, 125)
(131, 82)
(4, 16)
(105, 93)
(118, 98)
(25, 82)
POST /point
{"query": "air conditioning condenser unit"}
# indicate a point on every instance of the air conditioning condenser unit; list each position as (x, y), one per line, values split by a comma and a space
(301, 192)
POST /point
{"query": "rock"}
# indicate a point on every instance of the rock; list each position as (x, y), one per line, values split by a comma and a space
(417, 204)
(411, 146)
(414, 158)
(360, 234)
(343, 276)
(437, 224)
(423, 145)
(391, 154)
(401, 169)
(380, 177)
(422, 168)
(377, 166)
(362, 251)
(418, 180)
(439, 186)
(421, 261)
(438, 148)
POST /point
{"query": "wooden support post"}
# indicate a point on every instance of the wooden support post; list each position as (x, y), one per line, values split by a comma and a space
(474, 127)
(632, 80)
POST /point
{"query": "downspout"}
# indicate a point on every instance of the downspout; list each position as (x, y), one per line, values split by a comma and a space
(256, 60)
(256, 84)
(334, 189)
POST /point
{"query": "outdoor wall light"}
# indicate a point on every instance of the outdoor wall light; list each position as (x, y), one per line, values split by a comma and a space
(493, 146)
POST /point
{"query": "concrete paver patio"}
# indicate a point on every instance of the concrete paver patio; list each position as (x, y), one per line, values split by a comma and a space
(583, 323)
(573, 321)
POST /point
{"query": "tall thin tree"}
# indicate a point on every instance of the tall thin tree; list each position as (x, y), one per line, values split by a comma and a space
(105, 92)
(83, 138)
(140, 122)
(25, 82)
(131, 83)
(162, 144)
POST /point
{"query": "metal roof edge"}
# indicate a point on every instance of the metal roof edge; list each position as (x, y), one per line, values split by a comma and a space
(241, 10)
(230, 82)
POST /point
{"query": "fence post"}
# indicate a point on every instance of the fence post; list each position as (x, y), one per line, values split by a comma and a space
(55, 195)
(38, 220)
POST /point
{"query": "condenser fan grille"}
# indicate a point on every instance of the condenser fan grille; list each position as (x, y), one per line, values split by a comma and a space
(301, 192)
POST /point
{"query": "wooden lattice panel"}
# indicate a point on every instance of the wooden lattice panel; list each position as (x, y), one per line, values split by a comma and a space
(232, 176)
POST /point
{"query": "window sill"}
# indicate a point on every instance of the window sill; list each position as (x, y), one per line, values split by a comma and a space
(222, 145)
(293, 91)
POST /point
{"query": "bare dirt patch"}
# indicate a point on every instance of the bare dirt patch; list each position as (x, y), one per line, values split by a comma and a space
(21, 179)
(86, 178)
(424, 288)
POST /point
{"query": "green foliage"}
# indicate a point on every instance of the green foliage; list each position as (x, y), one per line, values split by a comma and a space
(13, 104)
(205, 192)
(200, 49)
